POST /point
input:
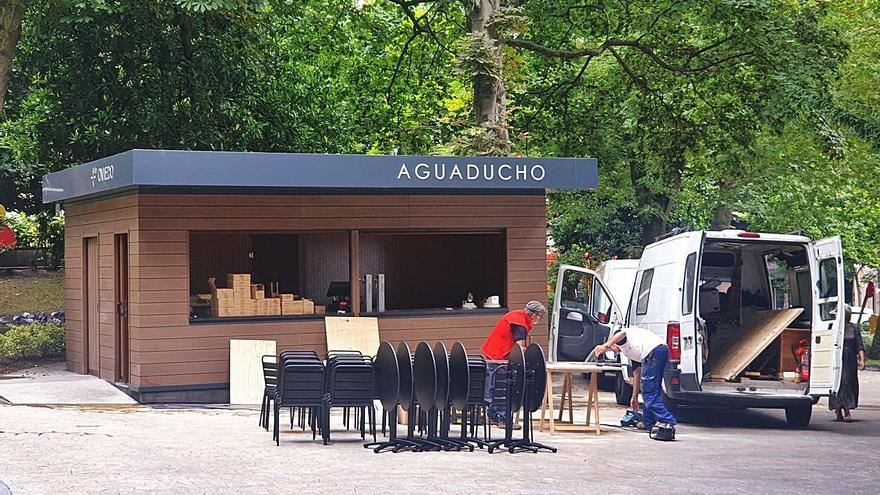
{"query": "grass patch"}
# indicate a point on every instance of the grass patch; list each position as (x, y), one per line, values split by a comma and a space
(28, 290)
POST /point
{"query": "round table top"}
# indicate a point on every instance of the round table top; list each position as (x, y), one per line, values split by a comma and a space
(535, 364)
(516, 365)
(405, 367)
(459, 376)
(441, 361)
(424, 375)
(386, 374)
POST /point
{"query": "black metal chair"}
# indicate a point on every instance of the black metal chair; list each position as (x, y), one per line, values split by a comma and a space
(300, 385)
(477, 405)
(348, 383)
(270, 381)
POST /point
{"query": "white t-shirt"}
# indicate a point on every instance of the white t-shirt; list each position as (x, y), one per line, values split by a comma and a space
(639, 343)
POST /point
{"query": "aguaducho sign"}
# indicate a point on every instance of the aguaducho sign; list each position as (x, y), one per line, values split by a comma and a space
(282, 171)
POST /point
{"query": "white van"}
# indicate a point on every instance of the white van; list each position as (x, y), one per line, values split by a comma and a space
(619, 276)
(735, 308)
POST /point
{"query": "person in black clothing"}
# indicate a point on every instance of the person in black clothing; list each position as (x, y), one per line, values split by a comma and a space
(847, 397)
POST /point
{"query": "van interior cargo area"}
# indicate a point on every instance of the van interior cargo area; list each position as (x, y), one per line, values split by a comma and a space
(755, 304)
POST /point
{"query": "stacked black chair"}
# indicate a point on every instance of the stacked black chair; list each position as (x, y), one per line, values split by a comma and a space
(300, 385)
(526, 381)
(270, 381)
(477, 406)
(348, 383)
(465, 376)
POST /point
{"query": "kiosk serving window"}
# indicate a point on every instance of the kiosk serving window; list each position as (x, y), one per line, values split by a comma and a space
(421, 271)
(301, 266)
(434, 270)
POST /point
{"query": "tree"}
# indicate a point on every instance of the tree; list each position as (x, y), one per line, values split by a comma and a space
(11, 14)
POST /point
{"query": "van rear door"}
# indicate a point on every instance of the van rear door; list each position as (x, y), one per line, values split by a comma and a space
(691, 247)
(826, 347)
(584, 314)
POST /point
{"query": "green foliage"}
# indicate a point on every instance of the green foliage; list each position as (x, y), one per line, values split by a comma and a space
(37, 340)
(39, 231)
(763, 111)
(26, 228)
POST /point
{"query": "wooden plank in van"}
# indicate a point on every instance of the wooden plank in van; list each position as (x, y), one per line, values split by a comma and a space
(758, 332)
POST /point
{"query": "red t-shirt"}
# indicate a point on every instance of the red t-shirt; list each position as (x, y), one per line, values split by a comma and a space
(501, 340)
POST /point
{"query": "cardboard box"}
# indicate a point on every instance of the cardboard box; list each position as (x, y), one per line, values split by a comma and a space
(223, 294)
(266, 307)
(241, 293)
(223, 308)
(308, 306)
(234, 280)
(287, 297)
(247, 307)
(319, 310)
(258, 291)
(274, 306)
(292, 307)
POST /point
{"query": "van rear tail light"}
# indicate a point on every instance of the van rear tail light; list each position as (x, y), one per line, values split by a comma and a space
(673, 340)
(749, 235)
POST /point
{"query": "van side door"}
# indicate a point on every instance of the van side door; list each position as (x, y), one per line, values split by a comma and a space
(826, 345)
(584, 314)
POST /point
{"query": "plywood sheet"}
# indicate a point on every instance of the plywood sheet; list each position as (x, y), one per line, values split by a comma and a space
(352, 334)
(758, 332)
(246, 369)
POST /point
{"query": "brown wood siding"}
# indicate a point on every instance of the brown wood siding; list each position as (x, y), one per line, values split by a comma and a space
(101, 219)
(167, 350)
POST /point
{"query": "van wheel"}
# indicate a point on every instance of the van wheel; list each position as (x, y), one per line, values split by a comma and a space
(622, 391)
(798, 417)
(608, 383)
(670, 404)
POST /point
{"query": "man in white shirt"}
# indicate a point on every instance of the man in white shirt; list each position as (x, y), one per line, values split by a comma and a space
(649, 355)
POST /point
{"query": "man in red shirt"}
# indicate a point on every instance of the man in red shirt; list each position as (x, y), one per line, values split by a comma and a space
(510, 330)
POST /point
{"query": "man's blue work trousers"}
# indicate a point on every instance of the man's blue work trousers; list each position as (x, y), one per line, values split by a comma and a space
(652, 388)
(495, 373)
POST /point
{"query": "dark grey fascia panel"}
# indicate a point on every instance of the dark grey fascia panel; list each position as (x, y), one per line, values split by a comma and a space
(252, 171)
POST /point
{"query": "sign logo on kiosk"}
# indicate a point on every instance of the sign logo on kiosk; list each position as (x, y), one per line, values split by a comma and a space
(472, 172)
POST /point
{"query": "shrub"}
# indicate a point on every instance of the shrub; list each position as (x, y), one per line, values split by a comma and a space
(30, 341)
(43, 230)
(26, 228)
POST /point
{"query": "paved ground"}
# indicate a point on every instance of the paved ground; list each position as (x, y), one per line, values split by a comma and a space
(134, 449)
(52, 384)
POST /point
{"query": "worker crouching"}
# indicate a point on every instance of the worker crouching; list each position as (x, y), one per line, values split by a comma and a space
(512, 329)
(649, 355)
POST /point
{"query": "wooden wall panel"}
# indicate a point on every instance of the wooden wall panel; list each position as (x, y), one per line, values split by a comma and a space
(328, 251)
(101, 219)
(166, 350)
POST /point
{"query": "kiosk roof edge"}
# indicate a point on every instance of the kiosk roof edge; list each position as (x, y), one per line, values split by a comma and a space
(254, 171)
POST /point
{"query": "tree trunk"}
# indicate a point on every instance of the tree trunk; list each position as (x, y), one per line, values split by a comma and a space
(723, 217)
(490, 96)
(11, 13)
(649, 205)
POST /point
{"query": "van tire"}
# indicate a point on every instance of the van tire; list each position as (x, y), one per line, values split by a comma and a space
(608, 383)
(670, 403)
(799, 416)
(622, 391)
